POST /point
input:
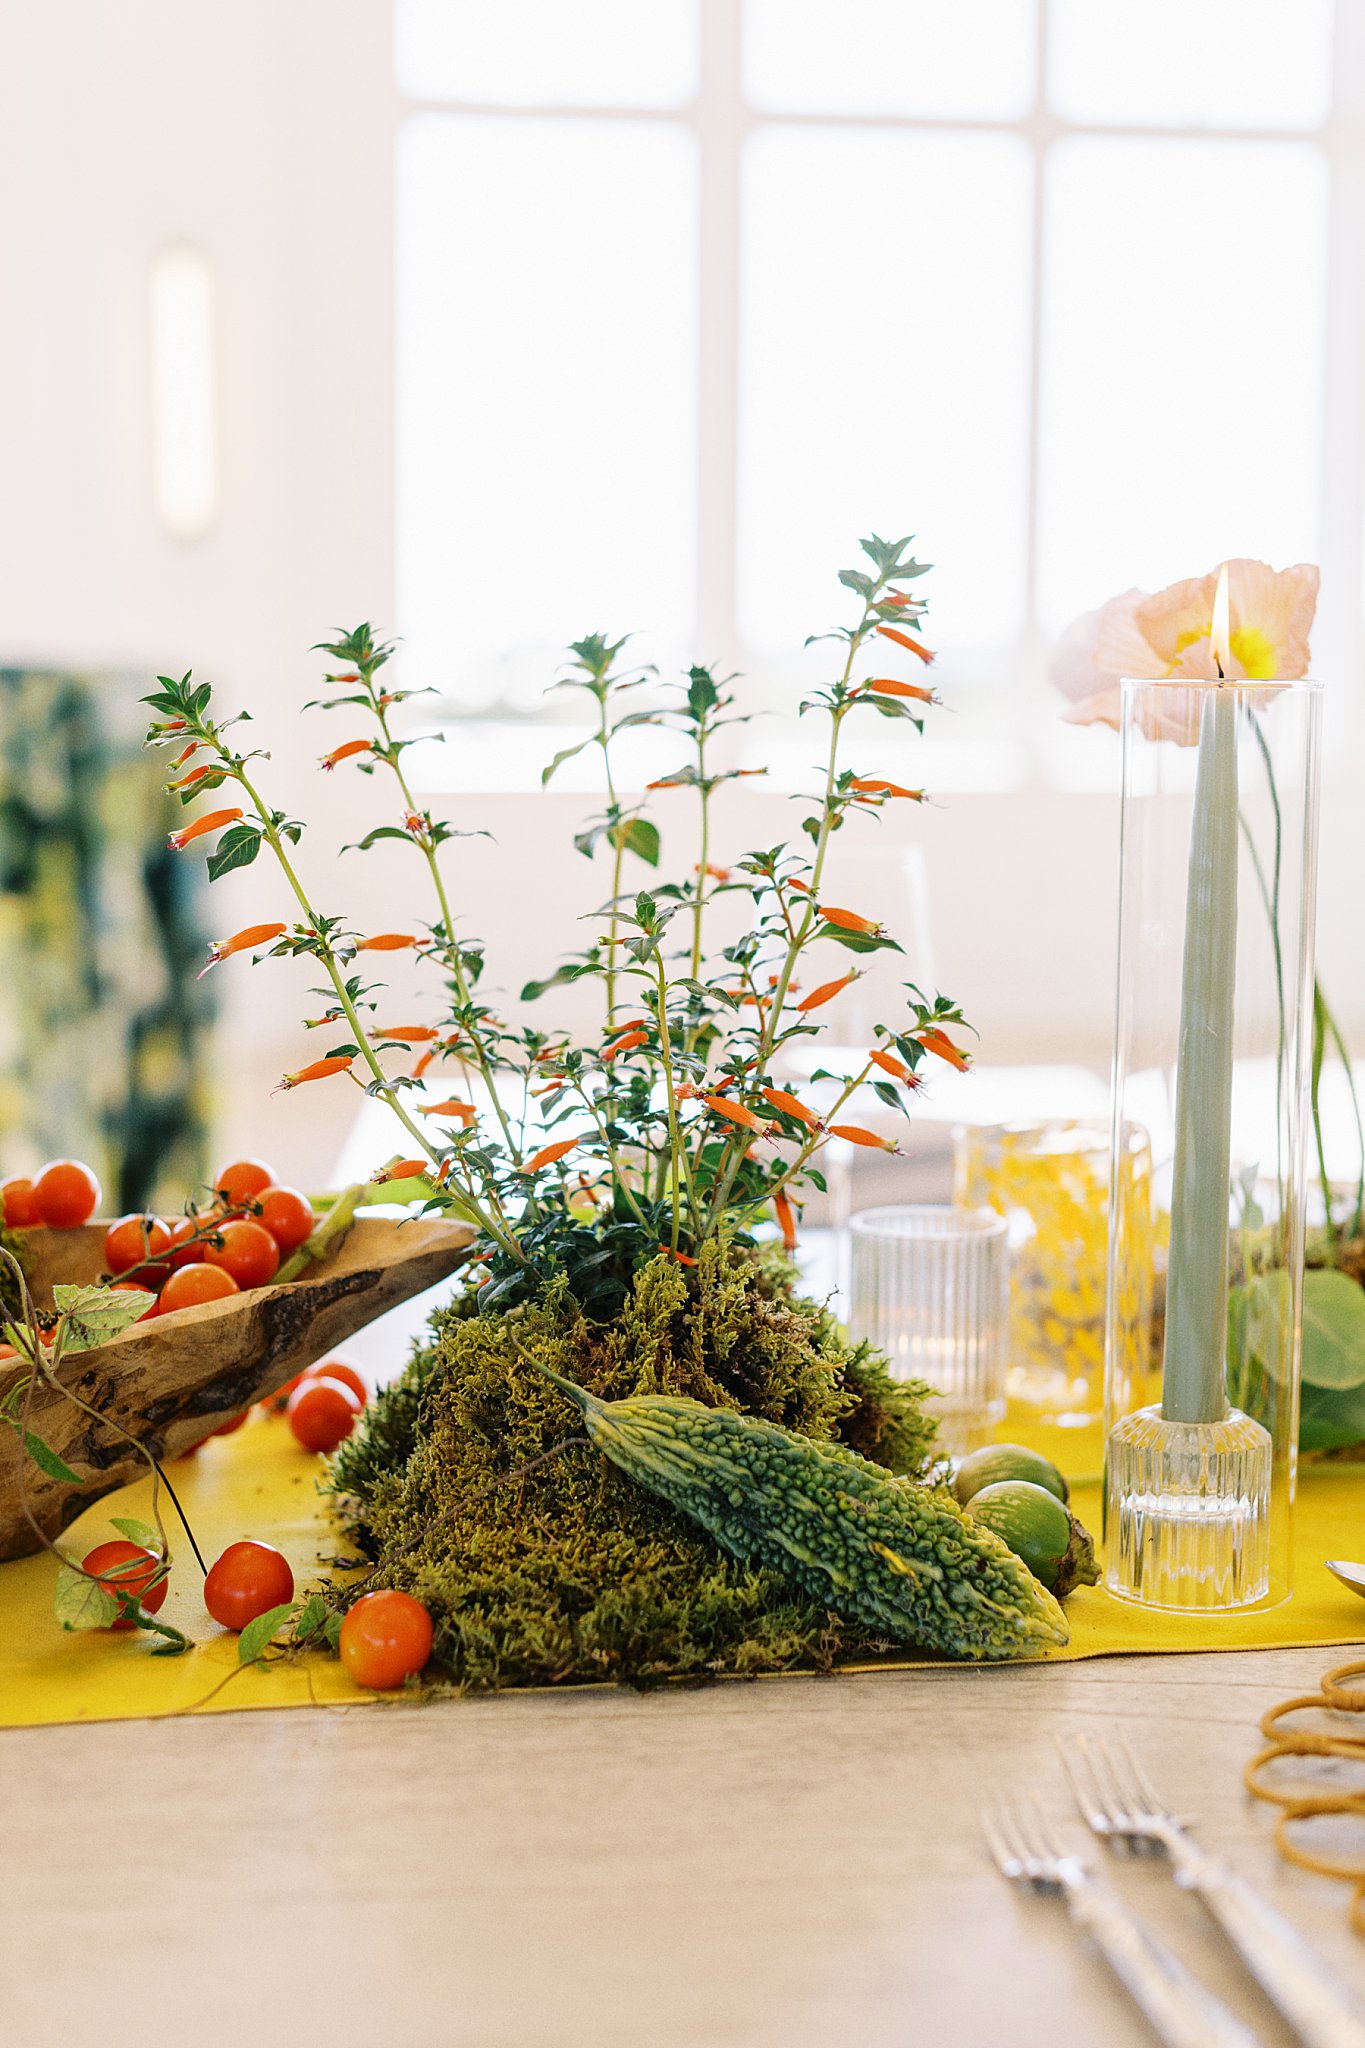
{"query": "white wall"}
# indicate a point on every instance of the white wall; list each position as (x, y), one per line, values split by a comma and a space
(260, 132)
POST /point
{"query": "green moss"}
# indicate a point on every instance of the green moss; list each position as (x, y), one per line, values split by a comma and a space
(571, 1573)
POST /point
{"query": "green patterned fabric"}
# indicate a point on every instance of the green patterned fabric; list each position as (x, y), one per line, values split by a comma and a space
(104, 1030)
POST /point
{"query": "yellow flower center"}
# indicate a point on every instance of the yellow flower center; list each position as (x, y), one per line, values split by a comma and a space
(1255, 652)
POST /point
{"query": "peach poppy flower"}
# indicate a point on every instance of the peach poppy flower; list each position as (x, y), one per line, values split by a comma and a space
(1168, 635)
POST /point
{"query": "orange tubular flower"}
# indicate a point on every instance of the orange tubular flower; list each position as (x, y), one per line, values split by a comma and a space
(212, 821)
(626, 1044)
(935, 1041)
(344, 753)
(892, 686)
(422, 1064)
(856, 1135)
(874, 785)
(403, 1169)
(826, 991)
(385, 942)
(548, 1154)
(780, 1099)
(890, 1065)
(915, 647)
(465, 1111)
(195, 775)
(716, 874)
(405, 1034)
(783, 1210)
(242, 942)
(736, 1112)
(849, 920)
(320, 1070)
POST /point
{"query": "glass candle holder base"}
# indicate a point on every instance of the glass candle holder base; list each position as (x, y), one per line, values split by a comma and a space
(1187, 1511)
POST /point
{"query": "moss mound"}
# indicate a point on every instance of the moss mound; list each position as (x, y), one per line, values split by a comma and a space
(570, 1573)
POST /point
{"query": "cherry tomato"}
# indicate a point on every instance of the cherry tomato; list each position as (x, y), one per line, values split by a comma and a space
(338, 1369)
(288, 1216)
(193, 1285)
(385, 1638)
(322, 1413)
(131, 1569)
(8, 1351)
(183, 1253)
(232, 1425)
(248, 1579)
(65, 1194)
(244, 1180)
(20, 1209)
(248, 1252)
(147, 1286)
(133, 1239)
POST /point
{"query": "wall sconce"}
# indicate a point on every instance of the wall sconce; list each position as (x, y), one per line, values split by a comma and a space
(184, 425)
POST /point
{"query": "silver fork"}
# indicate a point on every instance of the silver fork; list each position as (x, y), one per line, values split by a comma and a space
(1117, 1801)
(1182, 2011)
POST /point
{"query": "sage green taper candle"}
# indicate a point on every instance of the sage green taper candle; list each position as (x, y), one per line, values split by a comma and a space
(1197, 1276)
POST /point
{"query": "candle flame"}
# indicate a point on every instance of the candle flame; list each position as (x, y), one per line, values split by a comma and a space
(1219, 636)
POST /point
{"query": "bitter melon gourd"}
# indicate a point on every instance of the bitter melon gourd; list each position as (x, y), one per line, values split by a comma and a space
(897, 1557)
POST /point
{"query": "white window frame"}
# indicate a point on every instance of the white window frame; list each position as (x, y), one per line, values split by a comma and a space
(721, 121)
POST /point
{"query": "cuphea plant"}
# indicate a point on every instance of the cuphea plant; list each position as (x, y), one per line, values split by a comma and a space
(673, 1125)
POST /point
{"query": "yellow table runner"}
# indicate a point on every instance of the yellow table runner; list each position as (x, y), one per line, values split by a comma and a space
(258, 1483)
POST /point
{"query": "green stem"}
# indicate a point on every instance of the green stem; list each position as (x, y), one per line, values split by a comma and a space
(666, 1053)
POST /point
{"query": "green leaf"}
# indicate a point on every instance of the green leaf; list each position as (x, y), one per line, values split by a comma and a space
(859, 942)
(1333, 1330)
(80, 1602)
(1330, 1420)
(46, 1459)
(570, 971)
(331, 1628)
(141, 1533)
(312, 1616)
(256, 1636)
(95, 1314)
(638, 836)
(237, 848)
(565, 754)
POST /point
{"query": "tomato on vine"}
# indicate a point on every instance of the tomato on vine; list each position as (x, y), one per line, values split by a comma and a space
(191, 1286)
(133, 1240)
(248, 1252)
(65, 1194)
(249, 1579)
(128, 1568)
(244, 1180)
(288, 1216)
(20, 1210)
(385, 1638)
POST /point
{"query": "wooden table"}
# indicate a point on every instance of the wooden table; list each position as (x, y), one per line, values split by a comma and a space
(792, 1862)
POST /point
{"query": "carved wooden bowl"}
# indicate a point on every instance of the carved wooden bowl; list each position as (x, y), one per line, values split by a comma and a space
(171, 1381)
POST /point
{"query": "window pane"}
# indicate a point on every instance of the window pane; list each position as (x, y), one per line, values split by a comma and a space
(897, 405)
(545, 52)
(1229, 63)
(546, 392)
(935, 57)
(1181, 390)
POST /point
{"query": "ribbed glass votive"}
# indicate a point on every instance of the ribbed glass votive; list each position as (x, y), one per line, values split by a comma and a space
(928, 1287)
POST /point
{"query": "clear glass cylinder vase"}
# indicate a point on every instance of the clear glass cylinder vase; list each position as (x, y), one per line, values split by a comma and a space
(1218, 873)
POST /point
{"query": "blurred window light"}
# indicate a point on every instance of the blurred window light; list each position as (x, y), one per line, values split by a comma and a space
(184, 427)
(1179, 424)
(1191, 63)
(922, 286)
(548, 52)
(912, 414)
(546, 431)
(944, 59)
